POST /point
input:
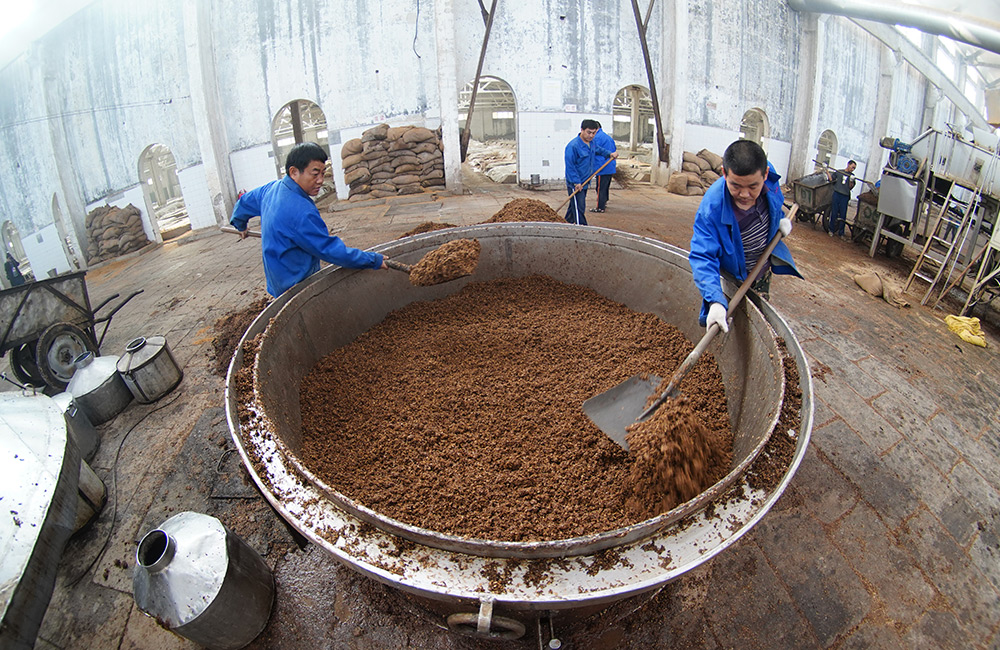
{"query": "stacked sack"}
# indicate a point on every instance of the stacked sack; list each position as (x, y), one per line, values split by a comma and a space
(390, 161)
(113, 231)
(697, 173)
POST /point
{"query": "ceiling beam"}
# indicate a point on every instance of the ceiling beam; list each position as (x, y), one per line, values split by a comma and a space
(913, 55)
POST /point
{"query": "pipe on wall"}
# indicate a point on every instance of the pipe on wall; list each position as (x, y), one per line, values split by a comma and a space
(978, 32)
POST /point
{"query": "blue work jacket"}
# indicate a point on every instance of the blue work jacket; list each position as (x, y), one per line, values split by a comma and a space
(717, 244)
(580, 160)
(294, 237)
(605, 141)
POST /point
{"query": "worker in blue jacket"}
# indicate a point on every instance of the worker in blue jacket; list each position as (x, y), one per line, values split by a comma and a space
(738, 216)
(579, 166)
(603, 178)
(294, 237)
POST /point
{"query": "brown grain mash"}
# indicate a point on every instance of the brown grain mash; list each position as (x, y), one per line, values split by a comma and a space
(464, 414)
(450, 261)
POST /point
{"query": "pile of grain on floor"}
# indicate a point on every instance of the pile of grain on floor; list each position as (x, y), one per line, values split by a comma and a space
(427, 226)
(113, 231)
(464, 414)
(698, 172)
(525, 210)
(230, 329)
(389, 161)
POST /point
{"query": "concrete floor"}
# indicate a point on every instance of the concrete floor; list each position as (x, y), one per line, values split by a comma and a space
(887, 537)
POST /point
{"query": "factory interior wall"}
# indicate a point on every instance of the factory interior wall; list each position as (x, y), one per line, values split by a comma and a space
(97, 90)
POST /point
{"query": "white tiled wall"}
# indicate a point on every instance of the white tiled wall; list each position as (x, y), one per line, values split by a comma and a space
(45, 253)
(253, 167)
(194, 187)
(542, 140)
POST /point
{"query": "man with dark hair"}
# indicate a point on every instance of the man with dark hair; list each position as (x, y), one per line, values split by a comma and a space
(603, 179)
(843, 183)
(579, 166)
(738, 216)
(294, 237)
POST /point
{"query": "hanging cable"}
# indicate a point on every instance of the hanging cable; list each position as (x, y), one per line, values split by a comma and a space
(416, 29)
(114, 486)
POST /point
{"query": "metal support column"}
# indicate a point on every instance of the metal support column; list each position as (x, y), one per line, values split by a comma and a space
(663, 149)
(467, 131)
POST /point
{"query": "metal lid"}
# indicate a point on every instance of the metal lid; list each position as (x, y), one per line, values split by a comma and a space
(180, 567)
(91, 373)
(31, 460)
(140, 351)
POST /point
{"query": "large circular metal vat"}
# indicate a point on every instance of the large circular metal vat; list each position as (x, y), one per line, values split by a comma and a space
(337, 305)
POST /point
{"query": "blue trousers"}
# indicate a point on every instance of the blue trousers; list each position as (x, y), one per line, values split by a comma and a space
(576, 211)
(603, 185)
(838, 213)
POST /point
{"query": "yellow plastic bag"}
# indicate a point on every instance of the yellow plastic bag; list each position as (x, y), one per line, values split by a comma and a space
(968, 329)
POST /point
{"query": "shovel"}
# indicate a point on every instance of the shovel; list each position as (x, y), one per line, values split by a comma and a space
(620, 406)
(583, 184)
(392, 264)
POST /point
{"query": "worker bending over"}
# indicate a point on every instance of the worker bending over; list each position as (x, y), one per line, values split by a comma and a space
(294, 237)
(738, 216)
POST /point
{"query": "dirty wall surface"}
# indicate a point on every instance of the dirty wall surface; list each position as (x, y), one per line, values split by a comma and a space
(92, 94)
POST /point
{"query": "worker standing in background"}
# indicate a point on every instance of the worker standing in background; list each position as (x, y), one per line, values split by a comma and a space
(579, 166)
(294, 237)
(738, 216)
(843, 183)
(602, 139)
(12, 268)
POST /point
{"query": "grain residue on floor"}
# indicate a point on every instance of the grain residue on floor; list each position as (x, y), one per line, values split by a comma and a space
(464, 414)
(525, 210)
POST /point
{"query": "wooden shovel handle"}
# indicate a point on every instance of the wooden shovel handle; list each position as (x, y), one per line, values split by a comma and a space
(250, 233)
(699, 349)
(397, 266)
(563, 204)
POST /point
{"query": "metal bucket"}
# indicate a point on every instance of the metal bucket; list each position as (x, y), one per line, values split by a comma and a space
(309, 321)
(149, 369)
(97, 387)
(200, 580)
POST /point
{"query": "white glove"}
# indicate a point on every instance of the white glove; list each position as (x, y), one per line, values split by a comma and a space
(785, 226)
(717, 315)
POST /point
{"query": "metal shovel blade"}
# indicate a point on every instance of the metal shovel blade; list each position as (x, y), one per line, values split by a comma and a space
(621, 405)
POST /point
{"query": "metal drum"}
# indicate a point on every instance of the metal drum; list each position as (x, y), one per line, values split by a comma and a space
(308, 322)
(80, 426)
(97, 387)
(200, 580)
(149, 369)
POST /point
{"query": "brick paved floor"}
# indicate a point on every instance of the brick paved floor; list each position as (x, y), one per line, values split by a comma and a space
(887, 537)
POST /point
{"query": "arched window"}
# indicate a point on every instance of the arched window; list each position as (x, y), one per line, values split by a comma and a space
(162, 190)
(632, 112)
(301, 120)
(493, 129)
(826, 149)
(755, 127)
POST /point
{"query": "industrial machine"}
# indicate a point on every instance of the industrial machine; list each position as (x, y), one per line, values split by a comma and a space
(900, 158)
(940, 195)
